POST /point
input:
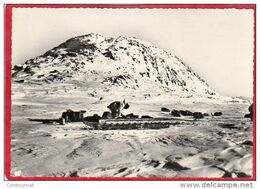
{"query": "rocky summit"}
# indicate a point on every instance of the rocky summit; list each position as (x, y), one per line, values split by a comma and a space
(122, 62)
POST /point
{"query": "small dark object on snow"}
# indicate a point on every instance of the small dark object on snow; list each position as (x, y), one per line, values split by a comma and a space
(146, 117)
(122, 170)
(45, 135)
(19, 81)
(198, 115)
(217, 114)
(176, 113)
(163, 109)
(94, 118)
(17, 68)
(27, 69)
(250, 115)
(132, 116)
(250, 109)
(186, 113)
(206, 114)
(221, 133)
(74, 174)
(227, 174)
(228, 126)
(154, 163)
(241, 175)
(248, 142)
(54, 71)
(71, 54)
(174, 166)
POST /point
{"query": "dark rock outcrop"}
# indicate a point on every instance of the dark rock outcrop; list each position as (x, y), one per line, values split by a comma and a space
(94, 118)
(146, 117)
(248, 116)
(186, 113)
(242, 175)
(217, 114)
(229, 126)
(176, 113)
(17, 68)
(19, 81)
(198, 115)
(247, 142)
(251, 114)
(250, 109)
(163, 109)
(131, 116)
(74, 174)
(174, 166)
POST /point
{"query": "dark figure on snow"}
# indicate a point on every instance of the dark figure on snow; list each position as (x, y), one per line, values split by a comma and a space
(116, 108)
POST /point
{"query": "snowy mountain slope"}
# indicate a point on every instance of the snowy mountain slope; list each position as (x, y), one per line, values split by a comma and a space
(121, 63)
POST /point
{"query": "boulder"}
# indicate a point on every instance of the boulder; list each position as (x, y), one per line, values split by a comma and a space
(74, 174)
(250, 109)
(198, 115)
(163, 109)
(17, 68)
(228, 126)
(19, 81)
(241, 175)
(54, 71)
(146, 117)
(131, 116)
(107, 115)
(174, 166)
(27, 69)
(186, 113)
(247, 142)
(248, 116)
(176, 113)
(217, 114)
(94, 118)
(221, 133)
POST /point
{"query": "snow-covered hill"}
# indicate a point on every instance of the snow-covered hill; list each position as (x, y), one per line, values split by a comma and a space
(114, 63)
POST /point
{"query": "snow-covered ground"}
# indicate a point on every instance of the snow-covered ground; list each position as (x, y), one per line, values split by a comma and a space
(210, 147)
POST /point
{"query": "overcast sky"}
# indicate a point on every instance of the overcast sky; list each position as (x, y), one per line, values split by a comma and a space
(216, 43)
